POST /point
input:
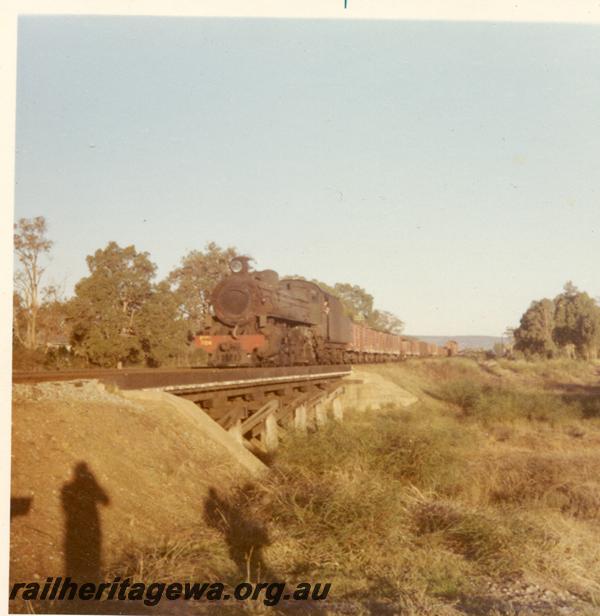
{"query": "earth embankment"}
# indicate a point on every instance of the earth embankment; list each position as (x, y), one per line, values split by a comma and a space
(98, 475)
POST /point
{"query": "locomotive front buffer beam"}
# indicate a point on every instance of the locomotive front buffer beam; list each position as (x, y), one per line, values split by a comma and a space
(256, 412)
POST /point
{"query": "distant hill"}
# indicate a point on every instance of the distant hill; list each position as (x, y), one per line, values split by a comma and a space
(464, 342)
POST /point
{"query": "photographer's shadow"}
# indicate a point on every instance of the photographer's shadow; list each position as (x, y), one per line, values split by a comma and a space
(83, 533)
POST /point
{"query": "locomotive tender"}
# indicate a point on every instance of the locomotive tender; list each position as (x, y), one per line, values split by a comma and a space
(260, 319)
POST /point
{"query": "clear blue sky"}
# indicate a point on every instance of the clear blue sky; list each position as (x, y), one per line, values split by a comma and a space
(451, 169)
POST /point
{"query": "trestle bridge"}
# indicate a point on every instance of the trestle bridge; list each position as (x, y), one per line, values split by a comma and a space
(252, 404)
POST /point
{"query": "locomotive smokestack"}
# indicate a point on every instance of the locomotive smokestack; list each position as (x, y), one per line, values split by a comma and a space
(240, 265)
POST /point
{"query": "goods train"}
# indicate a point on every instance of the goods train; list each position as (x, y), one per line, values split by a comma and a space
(259, 319)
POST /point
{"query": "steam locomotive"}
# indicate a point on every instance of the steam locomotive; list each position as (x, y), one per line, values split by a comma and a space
(260, 319)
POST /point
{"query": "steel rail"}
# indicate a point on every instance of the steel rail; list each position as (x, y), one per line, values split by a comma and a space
(253, 382)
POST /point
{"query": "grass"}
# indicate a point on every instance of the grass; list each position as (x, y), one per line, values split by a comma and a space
(498, 403)
(549, 369)
(492, 475)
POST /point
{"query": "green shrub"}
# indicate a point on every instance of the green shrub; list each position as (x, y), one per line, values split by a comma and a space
(493, 403)
(465, 394)
(503, 404)
(26, 359)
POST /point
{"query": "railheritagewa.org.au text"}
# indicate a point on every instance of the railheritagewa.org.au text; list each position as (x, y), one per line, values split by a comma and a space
(150, 594)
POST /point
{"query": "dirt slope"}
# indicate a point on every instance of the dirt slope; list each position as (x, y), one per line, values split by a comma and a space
(97, 475)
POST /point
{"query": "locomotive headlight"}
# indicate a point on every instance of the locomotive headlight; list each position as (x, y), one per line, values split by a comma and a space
(236, 266)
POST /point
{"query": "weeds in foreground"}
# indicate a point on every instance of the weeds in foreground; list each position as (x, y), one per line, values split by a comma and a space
(411, 510)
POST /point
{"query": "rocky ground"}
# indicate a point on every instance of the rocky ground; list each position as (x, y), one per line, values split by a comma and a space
(521, 598)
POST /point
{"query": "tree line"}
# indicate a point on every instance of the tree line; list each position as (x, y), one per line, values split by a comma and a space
(566, 326)
(120, 314)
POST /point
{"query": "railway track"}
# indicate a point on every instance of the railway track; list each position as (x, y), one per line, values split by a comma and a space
(173, 379)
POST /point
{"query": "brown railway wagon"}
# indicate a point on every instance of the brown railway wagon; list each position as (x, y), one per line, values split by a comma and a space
(452, 348)
(357, 342)
(367, 340)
